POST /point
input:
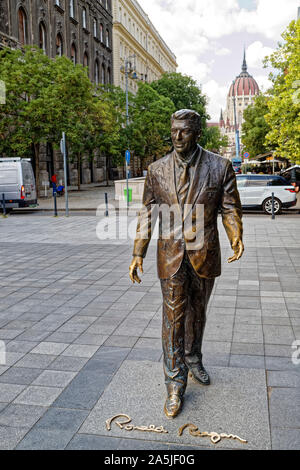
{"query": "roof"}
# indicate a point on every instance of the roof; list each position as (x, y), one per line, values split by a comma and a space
(244, 84)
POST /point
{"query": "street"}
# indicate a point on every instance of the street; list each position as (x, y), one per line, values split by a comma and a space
(79, 339)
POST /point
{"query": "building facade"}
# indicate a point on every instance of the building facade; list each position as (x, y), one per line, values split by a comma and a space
(135, 38)
(241, 94)
(78, 29)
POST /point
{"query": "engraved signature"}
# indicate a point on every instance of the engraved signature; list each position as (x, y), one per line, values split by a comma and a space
(214, 436)
(129, 427)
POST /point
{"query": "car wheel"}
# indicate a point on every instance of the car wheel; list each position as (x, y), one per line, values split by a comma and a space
(267, 206)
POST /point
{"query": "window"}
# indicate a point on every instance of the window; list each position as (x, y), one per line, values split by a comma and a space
(255, 181)
(42, 37)
(72, 12)
(22, 26)
(73, 54)
(59, 45)
(95, 27)
(84, 24)
(103, 74)
(57, 2)
(108, 76)
(85, 59)
(97, 72)
(101, 32)
(107, 38)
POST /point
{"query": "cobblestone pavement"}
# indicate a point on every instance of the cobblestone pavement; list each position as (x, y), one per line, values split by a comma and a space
(69, 318)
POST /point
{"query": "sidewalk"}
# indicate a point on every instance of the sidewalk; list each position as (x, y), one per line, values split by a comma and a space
(83, 343)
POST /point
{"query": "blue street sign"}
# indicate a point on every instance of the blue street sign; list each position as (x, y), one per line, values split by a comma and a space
(246, 155)
(127, 156)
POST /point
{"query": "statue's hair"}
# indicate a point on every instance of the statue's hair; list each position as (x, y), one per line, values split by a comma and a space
(189, 115)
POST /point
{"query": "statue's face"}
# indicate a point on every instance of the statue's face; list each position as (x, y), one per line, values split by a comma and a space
(184, 137)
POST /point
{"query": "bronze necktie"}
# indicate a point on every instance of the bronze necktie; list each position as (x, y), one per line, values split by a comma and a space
(183, 183)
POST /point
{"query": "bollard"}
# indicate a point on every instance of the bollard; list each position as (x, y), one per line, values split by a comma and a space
(106, 204)
(273, 211)
(55, 205)
(3, 205)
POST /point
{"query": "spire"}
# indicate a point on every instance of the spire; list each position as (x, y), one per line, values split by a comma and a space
(221, 116)
(244, 66)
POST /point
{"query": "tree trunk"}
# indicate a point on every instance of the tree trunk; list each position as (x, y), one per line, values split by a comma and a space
(78, 170)
(37, 168)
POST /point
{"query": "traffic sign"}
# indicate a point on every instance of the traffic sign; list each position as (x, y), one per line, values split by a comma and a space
(127, 156)
(246, 155)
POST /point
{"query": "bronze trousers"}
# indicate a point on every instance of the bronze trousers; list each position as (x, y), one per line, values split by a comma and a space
(185, 299)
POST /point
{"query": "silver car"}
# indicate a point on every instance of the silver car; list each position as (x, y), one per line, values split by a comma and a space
(17, 183)
(256, 192)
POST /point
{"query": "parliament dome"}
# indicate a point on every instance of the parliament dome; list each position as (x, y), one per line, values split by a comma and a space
(244, 83)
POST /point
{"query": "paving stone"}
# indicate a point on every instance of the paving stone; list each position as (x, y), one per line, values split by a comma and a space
(254, 349)
(92, 340)
(20, 346)
(247, 361)
(54, 349)
(145, 355)
(19, 375)
(285, 439)
(242, 390)
(280, 378)
(20, 416)
(35, 361)
(10, 436)
(40, 396)
(87, 442)
(72, 364)
(52, 378)
(63, 337)
(8, 392)
(80, 350)
(285, 407)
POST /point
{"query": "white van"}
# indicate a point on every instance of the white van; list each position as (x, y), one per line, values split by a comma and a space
(17, 183)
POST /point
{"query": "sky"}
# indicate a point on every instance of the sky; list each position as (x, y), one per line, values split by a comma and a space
(208, 38)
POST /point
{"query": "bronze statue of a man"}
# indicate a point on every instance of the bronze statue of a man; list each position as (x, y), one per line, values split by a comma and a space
(187, 178)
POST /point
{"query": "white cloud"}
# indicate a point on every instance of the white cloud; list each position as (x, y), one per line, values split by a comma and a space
(217, 95)
(256, 52)
(223, 51)
(263, 82)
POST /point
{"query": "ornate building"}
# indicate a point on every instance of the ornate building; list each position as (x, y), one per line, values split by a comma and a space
(79, 29)
(241, 94)
(135, 36)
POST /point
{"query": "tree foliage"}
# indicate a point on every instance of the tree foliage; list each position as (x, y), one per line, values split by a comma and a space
(215, 141)
(255, 127)
(283, 114)
(150, 125)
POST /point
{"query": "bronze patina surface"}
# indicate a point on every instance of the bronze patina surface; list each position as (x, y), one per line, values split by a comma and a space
(187, 178)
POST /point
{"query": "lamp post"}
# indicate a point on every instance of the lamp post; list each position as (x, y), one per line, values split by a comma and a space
(128, 70)
(237, 132)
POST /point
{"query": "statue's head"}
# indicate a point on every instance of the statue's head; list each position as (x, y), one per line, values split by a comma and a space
(185, 130)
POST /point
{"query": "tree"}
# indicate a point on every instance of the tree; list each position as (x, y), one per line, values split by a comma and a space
(255, 127)
(149, 130)
(184, 92)
(283, 114)
(215, 141)
(44, 98)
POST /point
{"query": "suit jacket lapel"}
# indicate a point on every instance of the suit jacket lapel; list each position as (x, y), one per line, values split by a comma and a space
(199, 173)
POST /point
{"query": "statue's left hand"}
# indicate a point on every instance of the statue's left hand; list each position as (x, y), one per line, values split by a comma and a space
(238, 248)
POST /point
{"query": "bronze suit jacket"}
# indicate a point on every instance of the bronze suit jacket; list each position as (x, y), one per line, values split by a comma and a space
(213, 186)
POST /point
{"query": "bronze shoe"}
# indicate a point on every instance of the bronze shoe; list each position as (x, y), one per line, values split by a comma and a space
(173, 406)
(199, 374)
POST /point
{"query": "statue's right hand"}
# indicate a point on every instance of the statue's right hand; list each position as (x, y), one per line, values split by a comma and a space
(137, 263)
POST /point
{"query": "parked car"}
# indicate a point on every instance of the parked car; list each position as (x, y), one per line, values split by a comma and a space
(256, 192)
(17, 183)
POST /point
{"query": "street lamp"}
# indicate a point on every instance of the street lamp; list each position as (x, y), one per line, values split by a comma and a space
(128, 71)
(237, 132)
